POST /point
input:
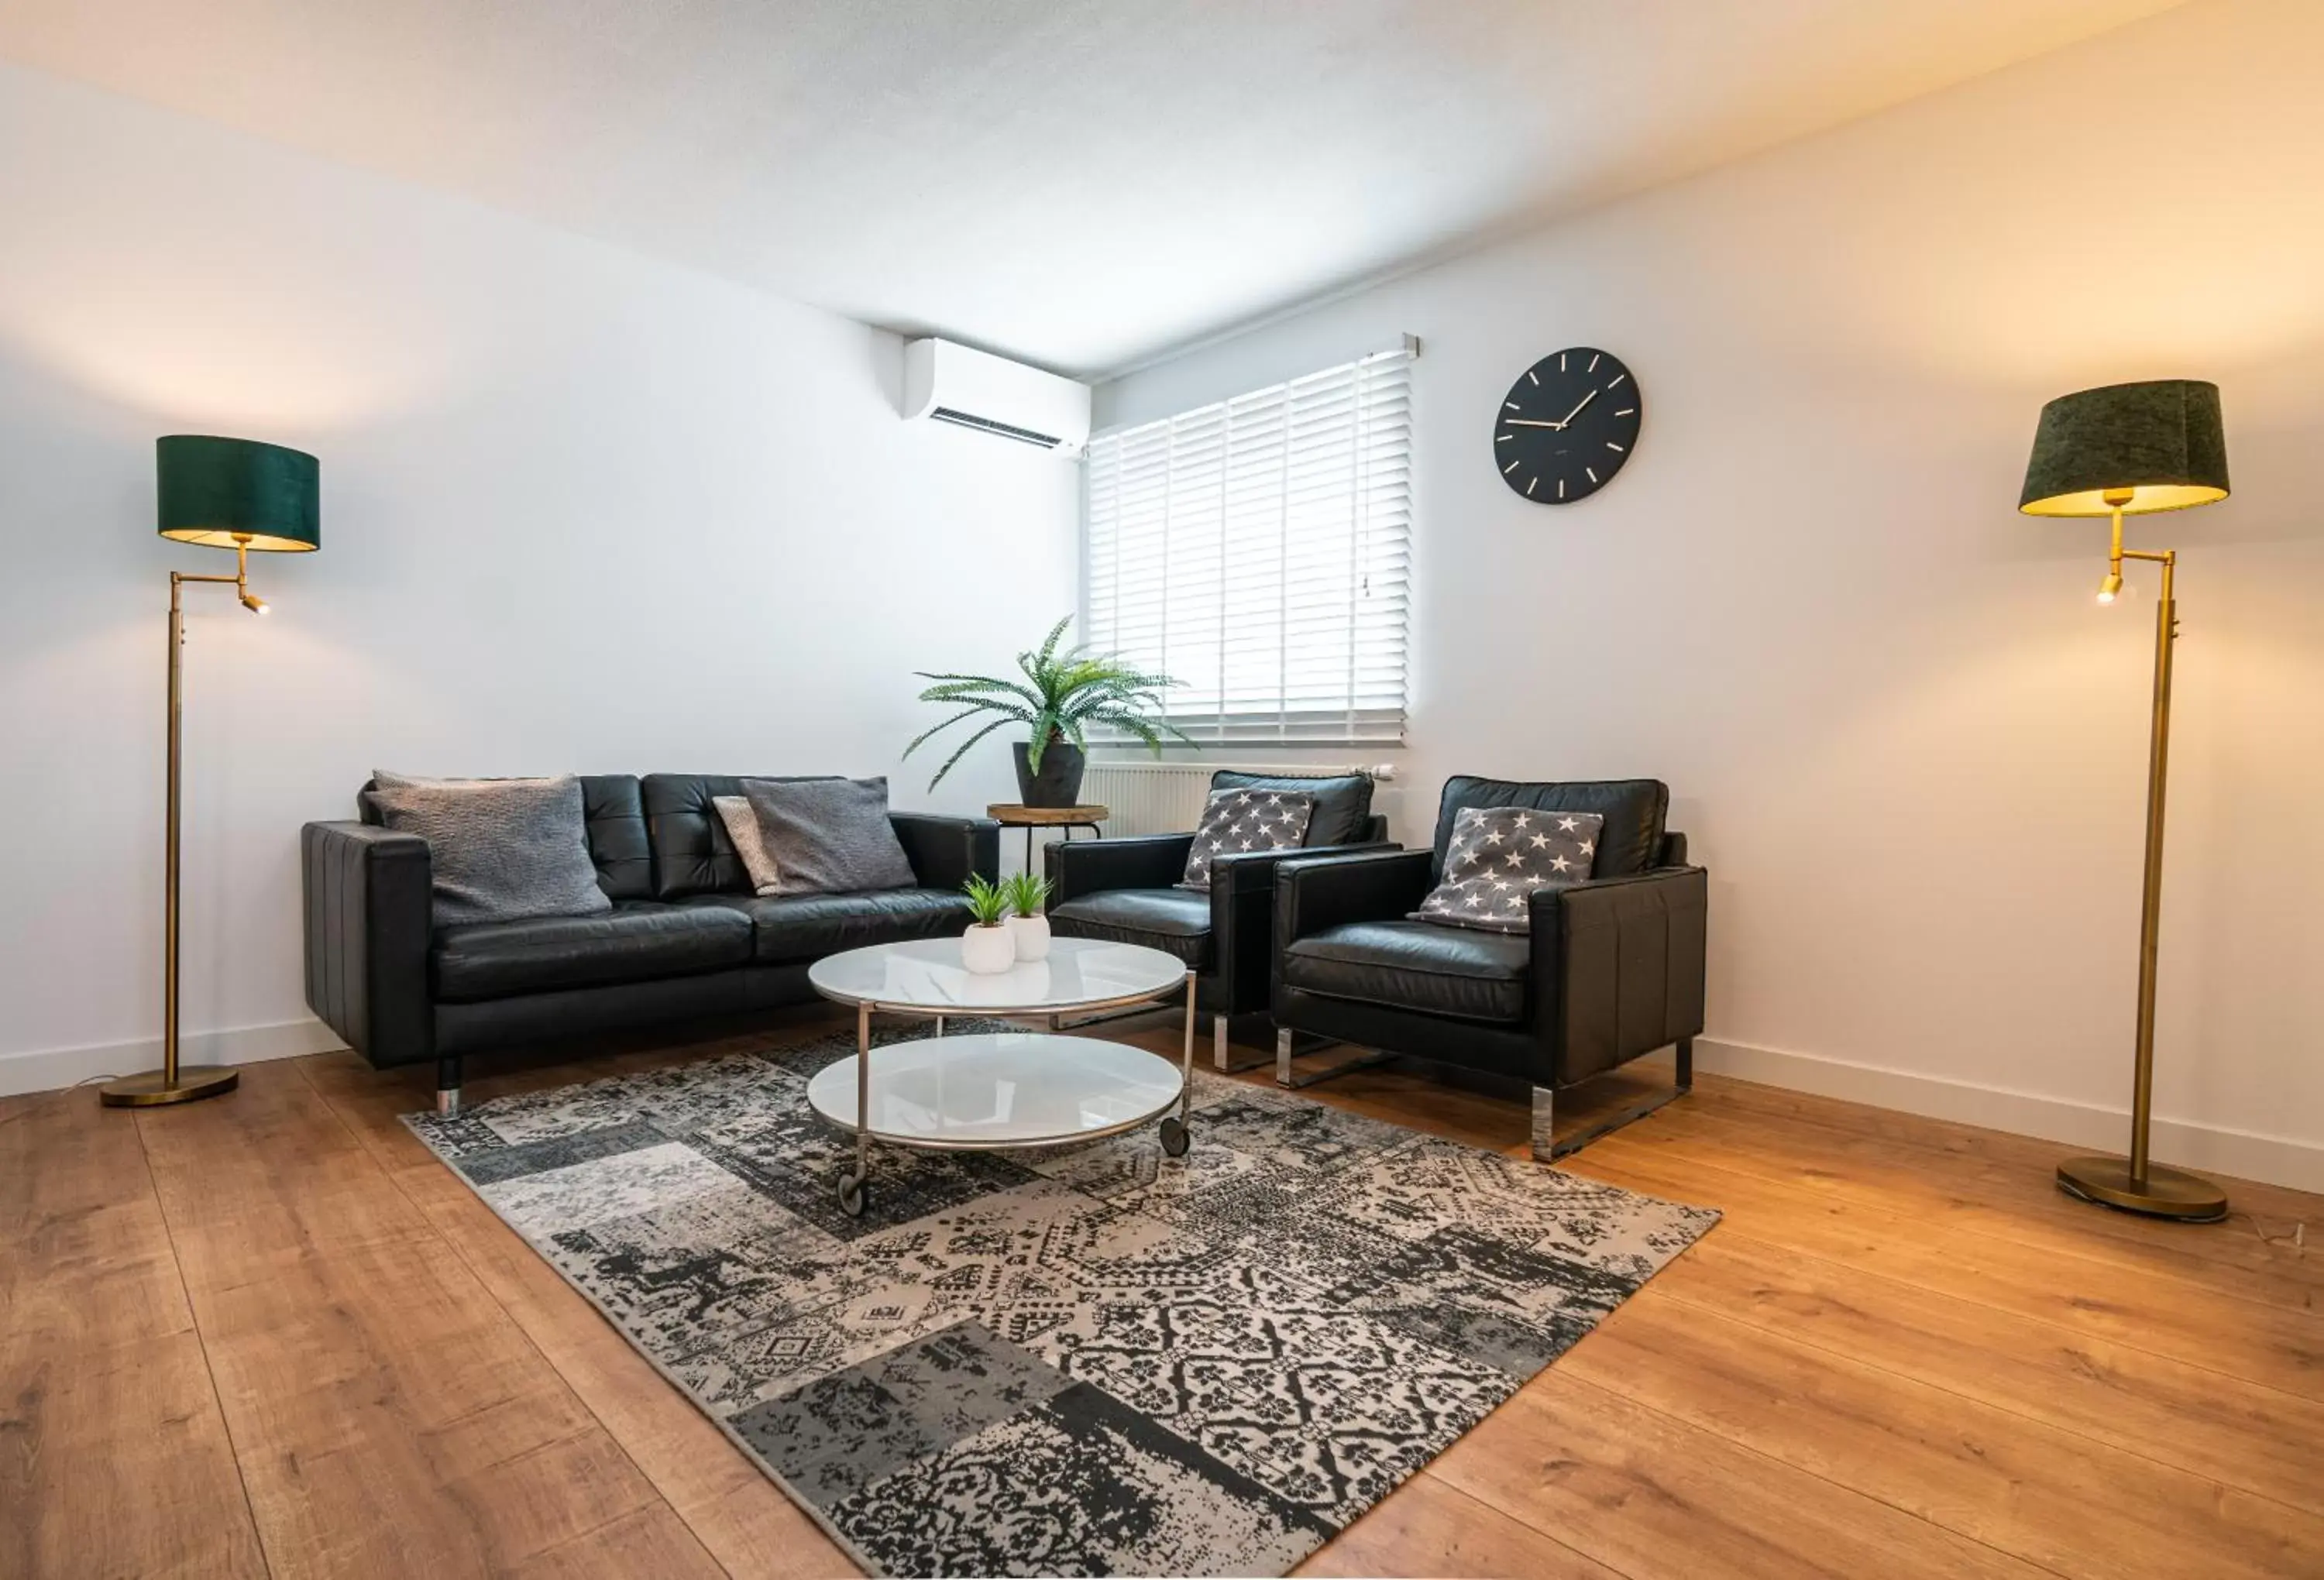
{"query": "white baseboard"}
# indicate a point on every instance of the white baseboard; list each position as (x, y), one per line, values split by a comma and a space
(49, 1069)
(2275, 1160)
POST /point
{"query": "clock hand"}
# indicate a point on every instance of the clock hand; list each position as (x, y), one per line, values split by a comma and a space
(1586, 399)
(1525, 422)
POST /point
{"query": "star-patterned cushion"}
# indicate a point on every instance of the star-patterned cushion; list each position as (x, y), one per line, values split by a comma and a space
(1236, 821)
(1499, 855)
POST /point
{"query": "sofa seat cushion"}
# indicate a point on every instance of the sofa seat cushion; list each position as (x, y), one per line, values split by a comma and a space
(637, 940)
(1416, 966)
(788, 928)
(1175, 920)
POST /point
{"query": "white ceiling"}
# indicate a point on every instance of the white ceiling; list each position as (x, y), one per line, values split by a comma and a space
(1081, 183)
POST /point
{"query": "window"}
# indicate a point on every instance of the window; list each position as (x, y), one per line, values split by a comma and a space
(1256, 550)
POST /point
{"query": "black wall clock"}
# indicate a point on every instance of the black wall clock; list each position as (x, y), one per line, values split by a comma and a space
(1567, 426)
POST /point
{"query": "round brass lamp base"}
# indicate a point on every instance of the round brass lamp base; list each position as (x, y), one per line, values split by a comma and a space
(2166, 1193)
(149, 1090)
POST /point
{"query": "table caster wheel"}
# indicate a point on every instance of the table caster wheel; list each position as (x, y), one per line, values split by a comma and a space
(854, 1196)
(1174, 1138)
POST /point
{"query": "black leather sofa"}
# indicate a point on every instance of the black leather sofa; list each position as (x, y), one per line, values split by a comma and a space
(1125, 891)
(686, 938)
(1611, 968)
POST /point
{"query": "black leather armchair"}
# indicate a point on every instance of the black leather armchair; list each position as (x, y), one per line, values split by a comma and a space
(1611, 968)
(1126, 891)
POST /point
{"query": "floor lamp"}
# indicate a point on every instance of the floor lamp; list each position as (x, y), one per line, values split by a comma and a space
(2126, 450)
(224, 493)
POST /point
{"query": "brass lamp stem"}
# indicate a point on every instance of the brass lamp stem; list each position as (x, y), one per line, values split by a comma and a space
(2138, 1183)
(2150, 912)
(174, 1083)
(170, 839)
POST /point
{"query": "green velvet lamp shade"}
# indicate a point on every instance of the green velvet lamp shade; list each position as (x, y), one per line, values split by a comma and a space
(2159, 442)
(225, 493)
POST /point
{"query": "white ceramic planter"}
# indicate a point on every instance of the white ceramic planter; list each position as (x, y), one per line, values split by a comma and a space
(1032, 936)
(988, 950)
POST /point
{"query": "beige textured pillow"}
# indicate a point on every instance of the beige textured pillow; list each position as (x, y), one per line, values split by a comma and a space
(742, 828)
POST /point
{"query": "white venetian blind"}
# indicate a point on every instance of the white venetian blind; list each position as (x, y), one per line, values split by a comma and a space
(1256, 550)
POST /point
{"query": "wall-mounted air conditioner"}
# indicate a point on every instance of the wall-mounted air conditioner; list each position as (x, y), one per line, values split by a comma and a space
(976, 389)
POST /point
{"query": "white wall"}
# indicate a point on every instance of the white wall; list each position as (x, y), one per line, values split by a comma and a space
(581, 511)
(1905, 741)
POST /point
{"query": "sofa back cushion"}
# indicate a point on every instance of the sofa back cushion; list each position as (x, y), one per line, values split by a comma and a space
(613, 817)
(1631, 840)
(616, 816)
(692, 854)
(1343, 802)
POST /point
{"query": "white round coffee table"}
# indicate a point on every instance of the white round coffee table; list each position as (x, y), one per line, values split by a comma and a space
(997, 1089)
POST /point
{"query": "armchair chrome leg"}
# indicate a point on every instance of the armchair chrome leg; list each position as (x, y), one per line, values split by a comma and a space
(448, 1085)
(1223, 1059)
(1283, 1071)
(1547, 1150)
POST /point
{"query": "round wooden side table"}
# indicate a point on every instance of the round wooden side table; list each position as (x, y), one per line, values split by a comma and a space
(1009, 815)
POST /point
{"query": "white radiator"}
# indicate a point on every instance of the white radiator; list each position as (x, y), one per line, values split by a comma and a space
(1167, 798)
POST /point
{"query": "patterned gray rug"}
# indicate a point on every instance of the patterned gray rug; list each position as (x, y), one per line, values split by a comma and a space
(1083, 1362)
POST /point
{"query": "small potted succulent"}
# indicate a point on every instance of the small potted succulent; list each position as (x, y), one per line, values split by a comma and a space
(1027, 892)
(987, 948)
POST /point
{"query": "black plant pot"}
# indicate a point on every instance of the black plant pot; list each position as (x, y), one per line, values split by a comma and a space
(1060, 782)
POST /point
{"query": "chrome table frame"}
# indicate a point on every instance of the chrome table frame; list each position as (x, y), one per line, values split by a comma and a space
(1175, 1135)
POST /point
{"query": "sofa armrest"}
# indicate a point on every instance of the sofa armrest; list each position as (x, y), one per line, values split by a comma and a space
(1084, 866)
(1619, 966)
(1317, 891)
(946, 852)
(370, 919)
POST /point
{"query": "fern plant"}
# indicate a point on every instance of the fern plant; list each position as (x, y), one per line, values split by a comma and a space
(1060, 695)
(988, 902)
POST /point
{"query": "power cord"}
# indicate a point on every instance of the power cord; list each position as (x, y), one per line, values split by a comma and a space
(57, 1095)
(2296, 1236)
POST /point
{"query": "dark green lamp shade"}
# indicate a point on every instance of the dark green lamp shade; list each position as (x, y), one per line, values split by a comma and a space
(227, 492)
(2161, 441)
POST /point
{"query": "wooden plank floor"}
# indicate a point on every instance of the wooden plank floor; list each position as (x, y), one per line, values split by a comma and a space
(269, 1335)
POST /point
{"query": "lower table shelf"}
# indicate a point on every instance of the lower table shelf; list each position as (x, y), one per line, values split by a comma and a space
(993, 1090)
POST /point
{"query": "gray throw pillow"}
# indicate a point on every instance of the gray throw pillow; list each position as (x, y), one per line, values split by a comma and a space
(499, 850)
(1499, 856)
(1343, 802)
(749, 844)
(829, 836)
(1236, 821)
